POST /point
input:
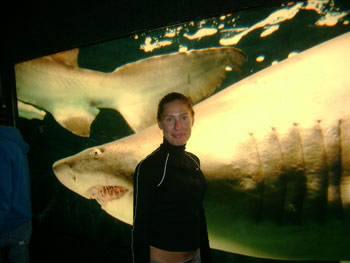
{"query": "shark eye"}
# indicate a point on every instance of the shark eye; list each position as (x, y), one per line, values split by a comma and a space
(96, 153)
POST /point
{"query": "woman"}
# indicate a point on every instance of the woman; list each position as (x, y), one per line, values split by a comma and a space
(169, 187)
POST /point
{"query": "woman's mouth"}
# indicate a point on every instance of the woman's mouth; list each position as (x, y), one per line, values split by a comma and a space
(178, 135)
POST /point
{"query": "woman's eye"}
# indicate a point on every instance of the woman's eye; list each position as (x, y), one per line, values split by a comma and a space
(184, 118)
(168, 119)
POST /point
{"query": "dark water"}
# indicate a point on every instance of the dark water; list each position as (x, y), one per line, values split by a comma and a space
(71, 228)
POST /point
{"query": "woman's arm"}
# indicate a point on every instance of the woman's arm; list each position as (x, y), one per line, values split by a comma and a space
(205, 247)
(143, 200)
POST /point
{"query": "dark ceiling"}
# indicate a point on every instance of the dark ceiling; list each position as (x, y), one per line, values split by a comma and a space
(33, 29)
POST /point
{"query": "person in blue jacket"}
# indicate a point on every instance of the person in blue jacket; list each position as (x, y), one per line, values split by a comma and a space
(15, 203)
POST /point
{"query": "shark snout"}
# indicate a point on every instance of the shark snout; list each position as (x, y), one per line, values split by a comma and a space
(62, 170)
(59, 166)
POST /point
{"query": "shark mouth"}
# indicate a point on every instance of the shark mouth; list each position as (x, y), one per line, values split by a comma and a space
(104, 194)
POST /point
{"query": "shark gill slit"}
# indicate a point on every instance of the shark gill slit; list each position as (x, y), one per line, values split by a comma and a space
(316, 170)
(334, 208)
(340, 167)
(281, 180)
(299, 197)
(344, 173)
(326, 178)
(339, 172)
(260, 181)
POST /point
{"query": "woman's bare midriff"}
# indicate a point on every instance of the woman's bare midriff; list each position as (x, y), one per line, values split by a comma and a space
(158, 255)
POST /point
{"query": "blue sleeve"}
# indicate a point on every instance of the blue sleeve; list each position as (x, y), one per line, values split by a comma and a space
(5, 185)
(143, 202)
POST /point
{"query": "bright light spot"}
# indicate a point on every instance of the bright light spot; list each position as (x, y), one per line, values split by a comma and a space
(274, 62)
(148, 40)
(149, 46)
(234, 30)
(203, 22)
(275, 18)
(317, 6)
(260, 58)
(183, 49)
(222, 18)
(201, 33)
(292, 54)
(281, 15)
(269, 30)
(228, 68)
(221, 26)
(170, 33)
(330, 19)
(229, 36)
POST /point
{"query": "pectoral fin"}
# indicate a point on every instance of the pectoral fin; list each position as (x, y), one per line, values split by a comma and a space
(78, 121)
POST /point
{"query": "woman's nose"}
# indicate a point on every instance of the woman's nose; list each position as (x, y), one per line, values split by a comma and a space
(177, 124)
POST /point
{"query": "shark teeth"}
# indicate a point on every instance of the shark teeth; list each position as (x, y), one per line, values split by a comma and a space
(103, 194)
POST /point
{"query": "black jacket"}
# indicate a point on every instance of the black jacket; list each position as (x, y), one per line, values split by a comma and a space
(169, 188)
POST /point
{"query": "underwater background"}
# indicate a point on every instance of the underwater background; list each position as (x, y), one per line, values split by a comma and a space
(69, 227)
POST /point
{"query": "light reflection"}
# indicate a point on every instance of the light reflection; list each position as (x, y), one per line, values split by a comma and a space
(204, 32)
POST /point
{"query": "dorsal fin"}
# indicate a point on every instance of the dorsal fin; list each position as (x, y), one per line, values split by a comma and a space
(68, 58)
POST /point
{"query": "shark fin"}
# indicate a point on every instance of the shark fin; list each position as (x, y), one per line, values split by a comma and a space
(196, 74)
(68, 58)
(78, 123)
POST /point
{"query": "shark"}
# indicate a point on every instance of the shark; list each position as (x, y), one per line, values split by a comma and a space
(275, 151)
(74, 95)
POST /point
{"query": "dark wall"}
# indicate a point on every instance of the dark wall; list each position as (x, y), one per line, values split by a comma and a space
(37, 28)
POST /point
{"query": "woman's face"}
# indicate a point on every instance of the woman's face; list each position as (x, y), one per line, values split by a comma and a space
(176, 122)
